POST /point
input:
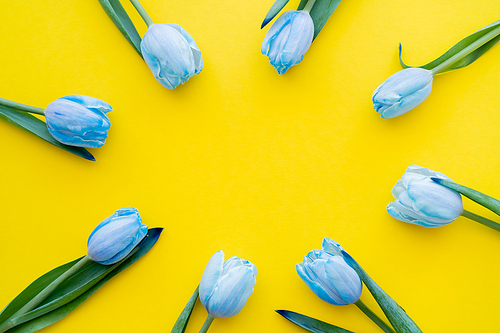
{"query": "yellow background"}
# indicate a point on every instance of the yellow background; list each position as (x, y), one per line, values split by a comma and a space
(259, 165)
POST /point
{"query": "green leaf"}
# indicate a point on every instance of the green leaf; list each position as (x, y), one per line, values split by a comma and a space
(482, 199)
(320, 13)
(85, 282)
(460, 46)
(398, 318)
(120, 18)
(37, 127)
(33, 289)
(311, 324)
(182, 321)
(275, 9)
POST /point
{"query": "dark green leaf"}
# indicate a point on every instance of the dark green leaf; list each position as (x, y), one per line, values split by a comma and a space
(468, 59)
(182, 321)
(275, 9)
(482, 199)
(398, 318)
(320, 13)
(311, 324)
(37, 127)
(120, 18)
(67, 300)
(33, 289)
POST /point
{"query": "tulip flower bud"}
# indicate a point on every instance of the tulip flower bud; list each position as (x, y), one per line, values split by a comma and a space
(288, 39)
(171, 54)
(402, 92)
(78, 120)
(226, 286)
(115, 237)
(330, 277)
(421, 201)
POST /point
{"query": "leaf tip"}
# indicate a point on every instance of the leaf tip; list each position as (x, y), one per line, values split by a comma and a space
(437, 180)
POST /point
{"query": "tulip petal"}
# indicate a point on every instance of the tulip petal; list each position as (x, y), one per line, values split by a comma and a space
(116, 236)
(435, 200)
(313, 284)
(171, 54)
(198, 60)
(343, 279)
(332, 247)
(90, 102)
(232, 292)
(211, 276)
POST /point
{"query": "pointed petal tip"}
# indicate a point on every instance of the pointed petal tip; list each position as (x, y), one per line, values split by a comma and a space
(437, 180)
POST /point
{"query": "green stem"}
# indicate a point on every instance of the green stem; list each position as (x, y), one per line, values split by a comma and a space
(376, 319)
(21, 107)
(207, 324)
(7, 324)
(142, 12)
(480, 219)
(309, 5)
(469, 49)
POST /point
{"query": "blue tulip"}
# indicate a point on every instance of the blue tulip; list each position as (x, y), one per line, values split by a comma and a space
(402, 92)
(226, 286)
(329, 276)
(288, 39)
(171, 54)
(78, 120)
(115, 237)
(421, 201)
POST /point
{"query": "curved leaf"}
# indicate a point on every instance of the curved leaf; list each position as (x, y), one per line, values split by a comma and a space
(467, 41)
(120, 18)
(311, 324)
(320, 12)
(181, 323)
(64, 300)
(275, 9)
(35, 126)
(33, 289)
(397, 316)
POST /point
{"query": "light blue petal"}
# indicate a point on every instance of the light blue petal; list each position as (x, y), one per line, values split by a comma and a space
(332, 247)
(402, 92)
(232, 292)
(90, 102)
(344, 280)
(298, 40)
(288, 39)
(435, 200)
(211, 276)
(143, 230)
(73, 124)
(275, 30)
(198, 59)
(313, 284)
(171, 54)
(116, 236)
(415, 169)
(317, 272)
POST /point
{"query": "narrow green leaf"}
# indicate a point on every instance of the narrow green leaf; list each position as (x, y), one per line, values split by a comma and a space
(311, 324)
(464, 43)
(182, 321)
(320, 13)
(35, 126)
(33, 289)
(275, 9)
(398, 318)
(68, 304)
(120, 18)
(482, 199)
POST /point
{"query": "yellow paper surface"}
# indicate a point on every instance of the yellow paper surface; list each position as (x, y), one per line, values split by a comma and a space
(259, 165)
